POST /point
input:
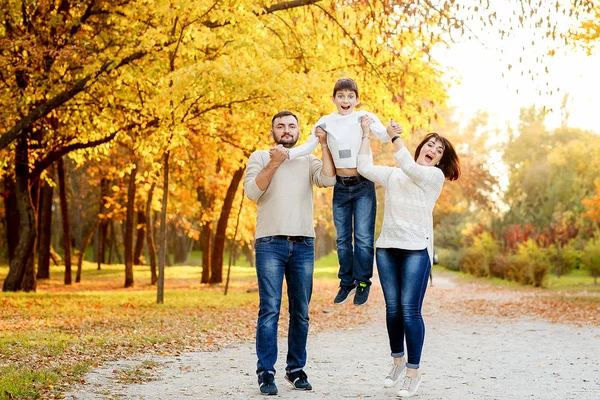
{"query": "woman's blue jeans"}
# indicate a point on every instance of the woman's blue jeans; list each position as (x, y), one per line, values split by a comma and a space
(354, 211)
(277, 257)
(403, 275)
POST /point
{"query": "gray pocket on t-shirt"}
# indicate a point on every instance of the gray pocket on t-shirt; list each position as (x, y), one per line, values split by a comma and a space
(345, 153)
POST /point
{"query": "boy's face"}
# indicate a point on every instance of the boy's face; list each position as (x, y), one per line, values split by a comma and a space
(345, 100)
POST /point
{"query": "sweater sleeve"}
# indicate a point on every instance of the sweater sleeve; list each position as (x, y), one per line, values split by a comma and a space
(430, 179)
(378, 129)
(253, 168)
(374, 173)
(311, 144)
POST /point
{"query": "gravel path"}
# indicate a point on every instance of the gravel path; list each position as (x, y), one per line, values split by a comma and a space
(465, 357)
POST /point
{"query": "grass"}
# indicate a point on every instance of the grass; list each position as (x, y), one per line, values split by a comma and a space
(49, 339)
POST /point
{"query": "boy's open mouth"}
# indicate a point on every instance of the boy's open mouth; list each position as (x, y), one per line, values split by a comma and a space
(345, 108)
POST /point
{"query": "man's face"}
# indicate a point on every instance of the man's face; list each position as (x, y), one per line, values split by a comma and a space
(285, 131)
(345, 100)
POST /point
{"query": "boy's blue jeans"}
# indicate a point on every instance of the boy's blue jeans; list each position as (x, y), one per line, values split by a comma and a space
(354, 211)
(403, 275)
(277, 257)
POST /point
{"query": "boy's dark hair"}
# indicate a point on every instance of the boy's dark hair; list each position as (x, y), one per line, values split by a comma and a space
(449, 163)
(283, 113)
(345, 84)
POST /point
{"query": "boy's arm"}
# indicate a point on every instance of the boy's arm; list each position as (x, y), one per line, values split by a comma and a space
(304, 149)
(377, 128)
(311, 144)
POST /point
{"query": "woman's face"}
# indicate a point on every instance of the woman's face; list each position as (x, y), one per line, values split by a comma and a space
(431, 152)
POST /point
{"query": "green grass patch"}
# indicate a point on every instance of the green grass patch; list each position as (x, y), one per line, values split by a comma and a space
(25, 383)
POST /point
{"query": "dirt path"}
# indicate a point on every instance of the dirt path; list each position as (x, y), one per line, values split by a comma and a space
(465, 357)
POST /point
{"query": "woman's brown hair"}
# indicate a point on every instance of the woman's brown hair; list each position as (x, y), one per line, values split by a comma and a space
(449, 163)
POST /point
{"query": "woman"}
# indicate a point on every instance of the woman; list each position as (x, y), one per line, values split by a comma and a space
(405, 245)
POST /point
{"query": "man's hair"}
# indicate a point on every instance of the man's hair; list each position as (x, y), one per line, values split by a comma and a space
(345, 84)
(449, 163)
(280, 114)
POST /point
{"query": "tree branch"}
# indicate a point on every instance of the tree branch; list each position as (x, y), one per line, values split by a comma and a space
(61, 98)
(47, 161)
(266, 10)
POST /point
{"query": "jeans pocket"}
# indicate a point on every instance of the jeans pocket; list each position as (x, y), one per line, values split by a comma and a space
(309, 241)
(263, 241)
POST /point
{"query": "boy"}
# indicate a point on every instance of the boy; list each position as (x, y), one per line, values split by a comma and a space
(354, 202)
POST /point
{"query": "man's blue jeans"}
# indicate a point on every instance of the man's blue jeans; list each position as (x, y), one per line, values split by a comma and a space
(277, 257)
(403, 275)
(354, 211)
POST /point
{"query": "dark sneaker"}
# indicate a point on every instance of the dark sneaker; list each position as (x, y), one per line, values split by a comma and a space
(299, 380)
(362, 294)
(344, 294)
(266, 382)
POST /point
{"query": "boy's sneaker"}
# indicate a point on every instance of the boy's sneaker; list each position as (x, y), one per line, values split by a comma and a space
(344, 294)
(298, 379)
(409, 386)
(362, 294)
(392, 378)
(266, 382)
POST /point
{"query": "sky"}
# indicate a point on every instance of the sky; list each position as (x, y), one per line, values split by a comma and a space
(480, 68)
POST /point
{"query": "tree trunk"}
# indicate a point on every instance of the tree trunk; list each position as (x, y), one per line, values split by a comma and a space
(162, 237)
(84, 244)
(150, 236)
(29, 281)
(27, 222)
(206, 250)
(103, 224)
(216, 275)
(139, 239)
(12, 216)
(181, 247)
(129, 229)
(44, 230)
(65, 221)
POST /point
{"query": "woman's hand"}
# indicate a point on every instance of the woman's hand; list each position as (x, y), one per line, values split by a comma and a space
(393, 128)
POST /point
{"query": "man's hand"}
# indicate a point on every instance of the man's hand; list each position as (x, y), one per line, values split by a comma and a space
(393, 128)
(321, 134)
(365, 122)
(279, 154)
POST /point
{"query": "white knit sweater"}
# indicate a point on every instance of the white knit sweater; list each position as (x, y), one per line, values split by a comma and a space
(410, 195)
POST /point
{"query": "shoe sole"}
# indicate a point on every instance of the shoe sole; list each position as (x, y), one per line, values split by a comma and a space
(362, 304)
(294, 386)
(347, 298)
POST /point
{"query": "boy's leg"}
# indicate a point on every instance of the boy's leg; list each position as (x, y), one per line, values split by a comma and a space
(299, 279)
(365, 210)
(342, 219)
(271, 259)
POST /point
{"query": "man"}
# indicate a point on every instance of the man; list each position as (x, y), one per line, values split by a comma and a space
(284, 245)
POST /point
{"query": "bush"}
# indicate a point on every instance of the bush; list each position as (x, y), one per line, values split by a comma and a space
(449, 258)
(530, 265)
(479, 257)
(591, 258)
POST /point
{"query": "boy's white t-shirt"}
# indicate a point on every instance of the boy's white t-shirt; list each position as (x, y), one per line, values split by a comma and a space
(344, 136)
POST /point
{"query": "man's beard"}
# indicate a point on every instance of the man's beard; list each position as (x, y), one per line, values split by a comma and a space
(287, 143)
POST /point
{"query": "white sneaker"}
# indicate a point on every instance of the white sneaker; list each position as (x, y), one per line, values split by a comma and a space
(409, 386)
(392, 378)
